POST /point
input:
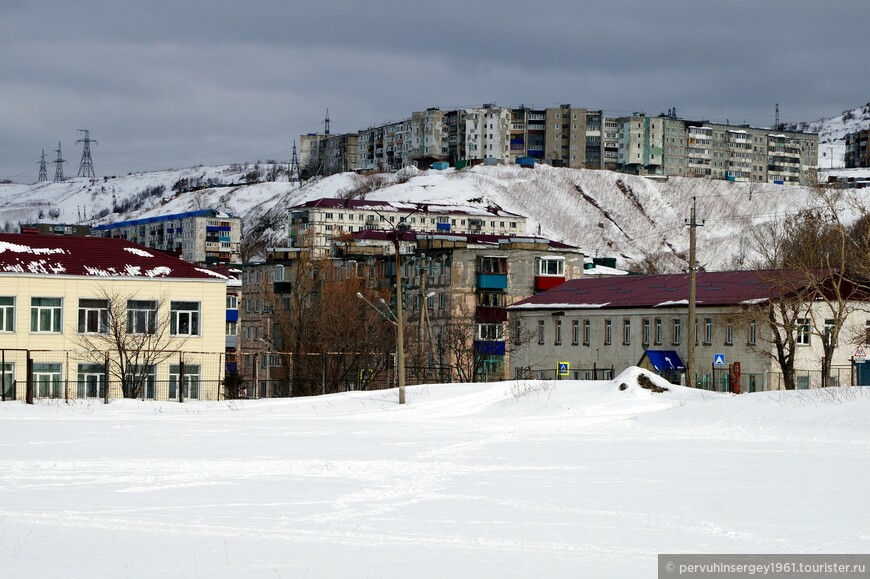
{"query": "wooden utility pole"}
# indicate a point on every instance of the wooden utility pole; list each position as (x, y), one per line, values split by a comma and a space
(693, 269)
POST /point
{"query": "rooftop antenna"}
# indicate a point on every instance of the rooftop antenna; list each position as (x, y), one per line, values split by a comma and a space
(43, 173)
(86, 167)
(326, 123)
(58, 171)
(776, 125)
(293, 170)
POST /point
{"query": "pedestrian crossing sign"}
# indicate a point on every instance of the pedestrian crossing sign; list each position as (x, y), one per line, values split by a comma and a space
(719, 360)
(563, 368)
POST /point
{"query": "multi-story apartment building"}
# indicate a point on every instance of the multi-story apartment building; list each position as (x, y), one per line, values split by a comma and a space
(575, 137)
(456, 286)
(315, 224)
(75, 308)
(857, 153)
(207, 236)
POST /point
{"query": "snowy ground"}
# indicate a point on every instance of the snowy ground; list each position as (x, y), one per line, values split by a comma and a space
(514, 479)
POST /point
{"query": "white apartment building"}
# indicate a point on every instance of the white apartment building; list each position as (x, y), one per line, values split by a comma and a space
(207, 237)
(317, 223)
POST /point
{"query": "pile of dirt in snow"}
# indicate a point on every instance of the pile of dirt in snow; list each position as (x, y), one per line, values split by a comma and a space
(643, 379)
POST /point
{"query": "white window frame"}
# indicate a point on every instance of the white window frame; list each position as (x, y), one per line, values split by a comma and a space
(182, 315)
(93, 316)
(802, 330)
(142, 317)
(192, 383)
(7, 313)
(53, 310)
(551, 266)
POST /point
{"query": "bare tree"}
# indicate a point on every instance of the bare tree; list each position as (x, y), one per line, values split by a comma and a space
(816, 270)
(126, 332)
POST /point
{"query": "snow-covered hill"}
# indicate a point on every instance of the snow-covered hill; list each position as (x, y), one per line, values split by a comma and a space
(604, 213)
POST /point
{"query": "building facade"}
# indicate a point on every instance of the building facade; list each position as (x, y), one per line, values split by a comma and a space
(568, 136)
(857, 154)
(595, 324)
(207, 237)
(67, 302)
(315, 224)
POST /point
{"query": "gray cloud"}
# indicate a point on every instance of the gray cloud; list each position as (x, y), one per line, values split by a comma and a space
(164, 83)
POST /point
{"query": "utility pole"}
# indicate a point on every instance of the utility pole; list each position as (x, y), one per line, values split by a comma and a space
(86, 166)
(693, 269)
(400, 228)
(58, 171)
(43, 173)
(293, 170)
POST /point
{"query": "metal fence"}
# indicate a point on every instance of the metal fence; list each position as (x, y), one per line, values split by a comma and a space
(573, 374)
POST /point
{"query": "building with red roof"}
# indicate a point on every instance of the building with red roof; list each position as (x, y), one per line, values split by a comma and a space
(589, 324)
(68, 302)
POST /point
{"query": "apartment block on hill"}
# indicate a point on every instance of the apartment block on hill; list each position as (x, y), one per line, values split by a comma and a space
(569, 136)
(207, 236)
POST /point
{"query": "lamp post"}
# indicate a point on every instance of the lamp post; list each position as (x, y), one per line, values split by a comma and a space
(400, 351)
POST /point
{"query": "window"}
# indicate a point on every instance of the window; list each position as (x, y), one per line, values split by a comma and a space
(608, 332)
(46, 380)
(626, 332)
(518, 332)
(139, 382)
(7, 314)
(658, 332)
(557, 338)
(677, 331)
(91, 381)
(751, 338)
(232, 302)
(541, 328)
(708, 331)
(829, 327)
(491, 299)
(232, 328)
(803, 332)
(442, 301)
(7, 378)
(190, 385)
(555, 267)
(279, 271)
(729, 333)
(493, 265)
(45, 314)
(184, 319)
(141, 316)
(575, 332)
(587, 332)
(490, 332)
(644, 333)
(93, 316)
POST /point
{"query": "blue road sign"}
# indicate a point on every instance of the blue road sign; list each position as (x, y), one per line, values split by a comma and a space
(719, 360)
(563, 368)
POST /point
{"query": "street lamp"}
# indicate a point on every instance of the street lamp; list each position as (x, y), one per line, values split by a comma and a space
(400, 351)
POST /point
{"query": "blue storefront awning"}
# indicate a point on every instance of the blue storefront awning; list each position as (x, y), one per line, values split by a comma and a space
(664, 360)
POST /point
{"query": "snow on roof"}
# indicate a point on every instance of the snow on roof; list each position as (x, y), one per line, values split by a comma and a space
(90, 257)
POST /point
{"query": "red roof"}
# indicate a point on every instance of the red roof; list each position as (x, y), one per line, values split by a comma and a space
(91, 257)
(724, 288)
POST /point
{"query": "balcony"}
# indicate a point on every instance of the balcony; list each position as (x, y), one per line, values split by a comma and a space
(545, 282)
(491, 314)
(492, 281)
(489, 347)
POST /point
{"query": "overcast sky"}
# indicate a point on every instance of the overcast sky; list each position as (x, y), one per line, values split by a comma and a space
(175, 83)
